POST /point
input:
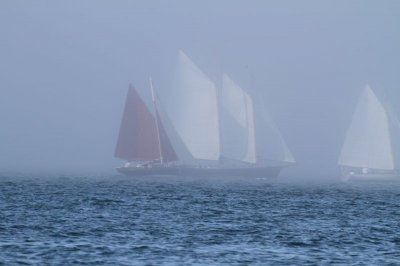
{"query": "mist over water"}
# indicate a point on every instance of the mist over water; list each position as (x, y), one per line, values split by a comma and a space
(65, 69)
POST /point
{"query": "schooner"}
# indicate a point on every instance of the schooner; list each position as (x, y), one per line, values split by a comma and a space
(200, 130)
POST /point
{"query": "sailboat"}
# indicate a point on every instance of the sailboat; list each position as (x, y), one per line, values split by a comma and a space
(369, 150)
(200, 130)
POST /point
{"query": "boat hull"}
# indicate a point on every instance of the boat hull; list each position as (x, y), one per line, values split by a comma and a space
(371, 178)
(359, 176)
(261, 172)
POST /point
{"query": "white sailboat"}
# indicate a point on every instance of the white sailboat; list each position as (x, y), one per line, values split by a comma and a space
(206, 131)
(368, 152)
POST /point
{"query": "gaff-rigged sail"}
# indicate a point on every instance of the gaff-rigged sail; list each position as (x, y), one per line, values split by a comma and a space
(141, 136)
(193, 110)
(368, 141)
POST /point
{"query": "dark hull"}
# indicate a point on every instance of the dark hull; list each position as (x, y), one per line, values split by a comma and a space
(262, 172)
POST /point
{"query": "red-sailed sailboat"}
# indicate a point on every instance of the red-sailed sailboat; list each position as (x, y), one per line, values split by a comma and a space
(203, 131)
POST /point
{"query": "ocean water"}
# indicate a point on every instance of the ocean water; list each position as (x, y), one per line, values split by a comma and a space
(178, 221)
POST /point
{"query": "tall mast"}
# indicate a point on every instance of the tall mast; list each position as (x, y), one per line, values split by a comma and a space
(218, 94)
(219, 122)
(254, 128)
(156, 119)
(254, 116)
(248, 121)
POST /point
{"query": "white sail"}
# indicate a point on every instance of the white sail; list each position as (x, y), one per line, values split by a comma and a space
(184, 156)
(237, 122)
(368, 141)
(394, 127)
(251, 151)
(271, 147)
(192, 108)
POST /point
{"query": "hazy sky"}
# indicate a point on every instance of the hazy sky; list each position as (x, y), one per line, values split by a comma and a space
(65, 67)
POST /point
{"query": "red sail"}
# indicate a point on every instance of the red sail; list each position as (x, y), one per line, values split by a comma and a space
(138, 140)
(167, 151)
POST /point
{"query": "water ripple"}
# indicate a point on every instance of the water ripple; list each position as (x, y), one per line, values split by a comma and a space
(122, 221)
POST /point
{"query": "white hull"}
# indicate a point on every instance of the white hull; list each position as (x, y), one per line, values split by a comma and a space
(356, 175)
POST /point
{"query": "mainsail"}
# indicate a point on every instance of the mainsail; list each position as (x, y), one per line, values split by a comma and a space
(368, 142)
(192, 109)
(141, 136)
(237, 122)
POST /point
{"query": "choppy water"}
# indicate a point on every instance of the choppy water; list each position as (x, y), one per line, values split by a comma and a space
(153, 221)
